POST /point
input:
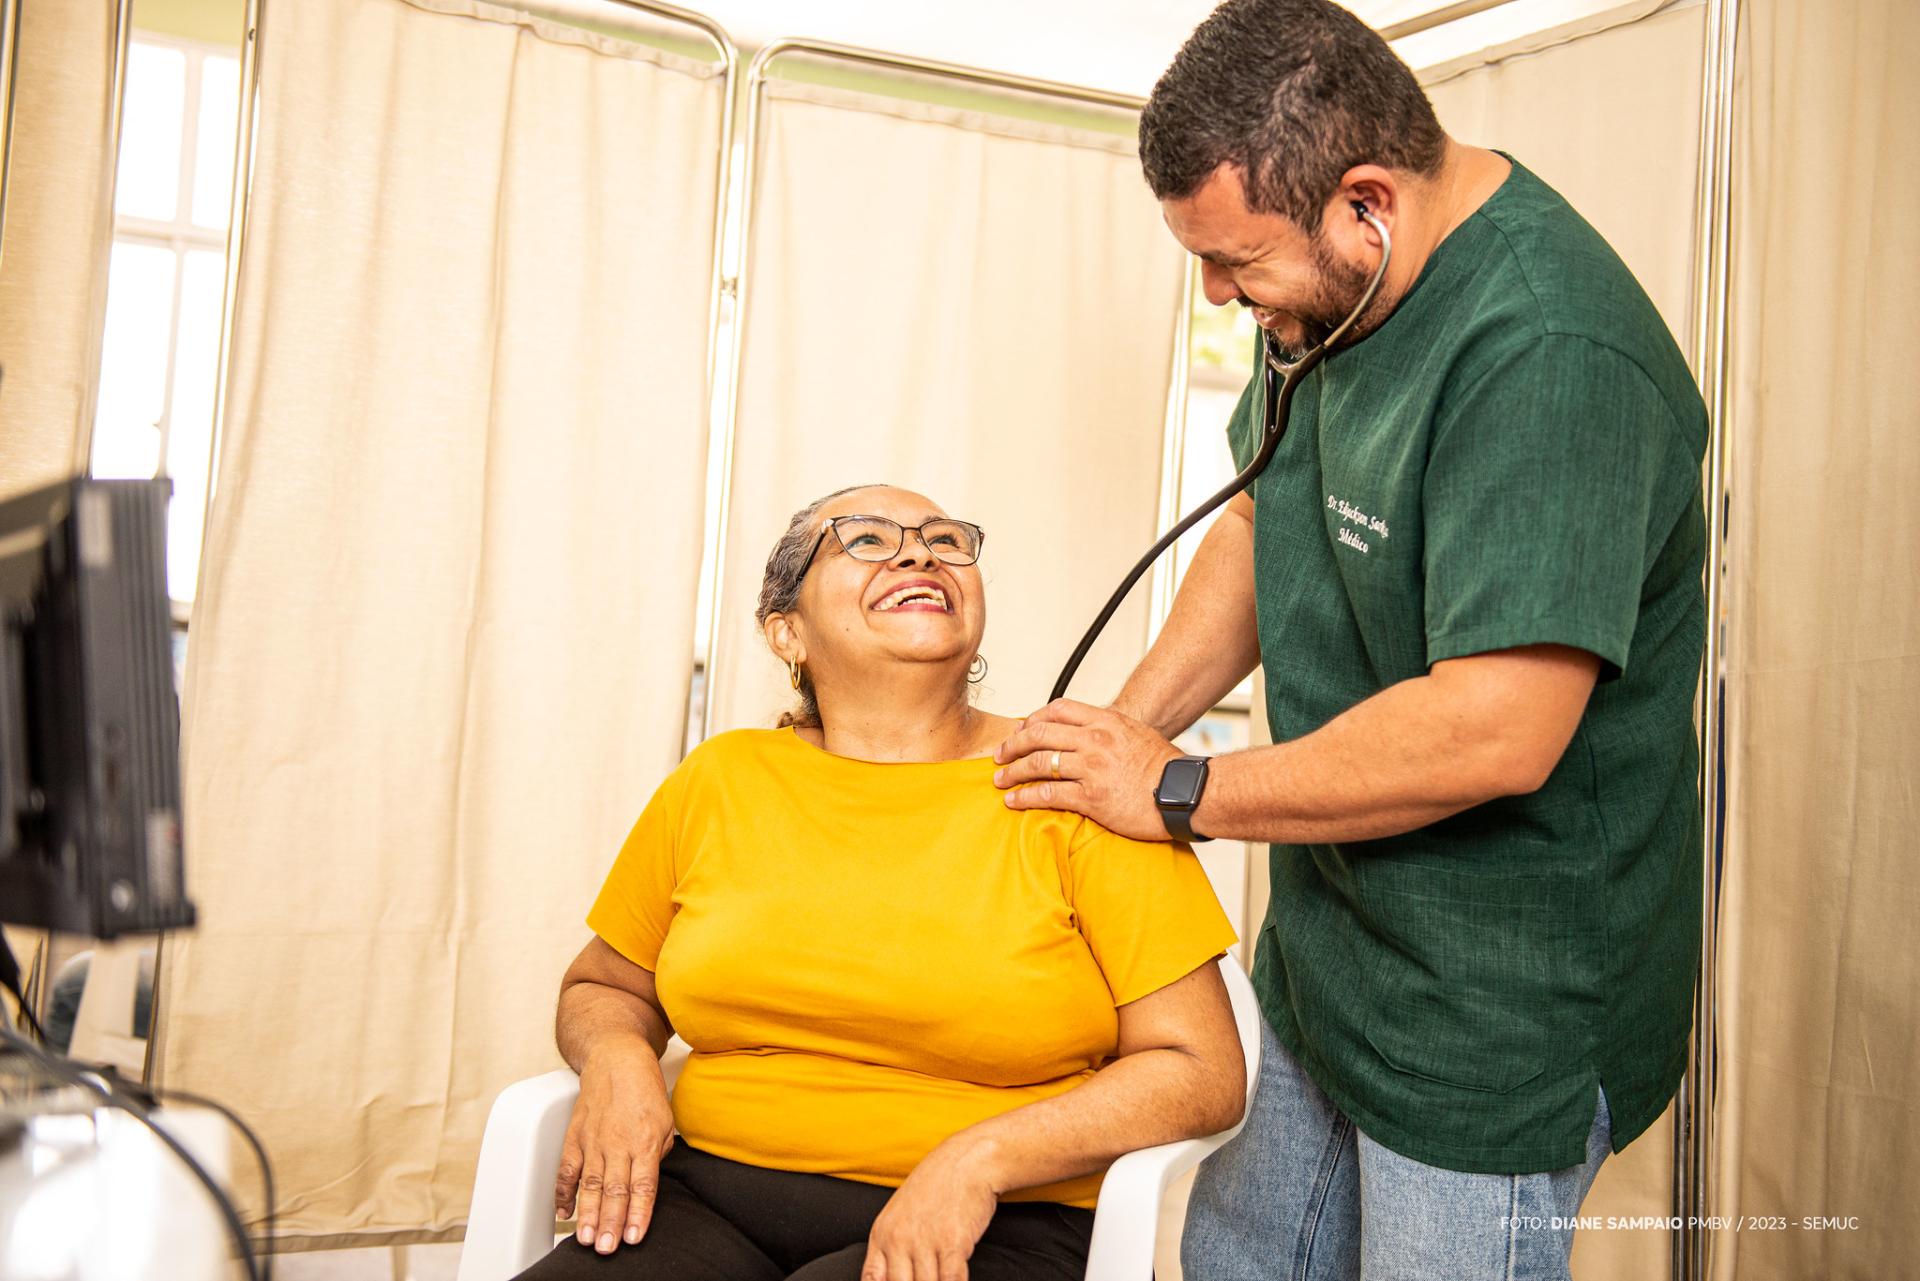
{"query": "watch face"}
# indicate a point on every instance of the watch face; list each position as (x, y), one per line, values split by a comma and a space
(1180, 782)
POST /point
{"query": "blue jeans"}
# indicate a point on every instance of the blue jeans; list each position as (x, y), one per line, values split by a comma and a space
(1302, 1195)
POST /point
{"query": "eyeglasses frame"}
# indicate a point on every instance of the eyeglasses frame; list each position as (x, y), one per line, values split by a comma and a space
(828, 526)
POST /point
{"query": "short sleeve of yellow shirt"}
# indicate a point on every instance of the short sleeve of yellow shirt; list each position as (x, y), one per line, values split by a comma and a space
(866, 958)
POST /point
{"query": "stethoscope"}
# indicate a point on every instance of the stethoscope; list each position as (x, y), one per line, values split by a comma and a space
(1281, 380)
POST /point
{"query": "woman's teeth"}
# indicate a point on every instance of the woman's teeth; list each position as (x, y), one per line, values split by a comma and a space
(928, 595)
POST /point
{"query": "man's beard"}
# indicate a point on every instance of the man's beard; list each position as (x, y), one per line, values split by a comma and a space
(1339, 287)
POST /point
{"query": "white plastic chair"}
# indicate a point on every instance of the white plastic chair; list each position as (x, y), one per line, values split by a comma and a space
(510, 1224)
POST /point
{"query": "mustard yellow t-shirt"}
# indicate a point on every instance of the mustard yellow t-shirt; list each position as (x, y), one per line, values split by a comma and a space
(867, 958)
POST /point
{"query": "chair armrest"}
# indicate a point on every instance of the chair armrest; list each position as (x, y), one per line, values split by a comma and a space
(510, 1223)
(1127, 1219)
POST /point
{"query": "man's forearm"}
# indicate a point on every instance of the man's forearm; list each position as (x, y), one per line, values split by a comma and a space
(1211, 639)
(1411, 755)
(593, 1015)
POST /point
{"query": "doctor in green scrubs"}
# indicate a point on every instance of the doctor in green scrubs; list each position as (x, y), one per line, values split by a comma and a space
(1472, 577)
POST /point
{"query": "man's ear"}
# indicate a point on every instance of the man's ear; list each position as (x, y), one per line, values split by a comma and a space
(1374, 186)
(783, 639)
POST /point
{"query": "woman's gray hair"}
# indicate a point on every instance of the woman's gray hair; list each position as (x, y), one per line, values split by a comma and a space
(780, 589)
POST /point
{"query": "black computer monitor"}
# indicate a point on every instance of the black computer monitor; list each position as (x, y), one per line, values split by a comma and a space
(89, 722)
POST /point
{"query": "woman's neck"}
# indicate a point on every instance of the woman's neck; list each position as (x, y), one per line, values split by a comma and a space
(902, 725)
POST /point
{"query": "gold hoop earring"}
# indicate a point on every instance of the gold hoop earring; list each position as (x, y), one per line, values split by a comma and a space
(975, 677)
(793, 673)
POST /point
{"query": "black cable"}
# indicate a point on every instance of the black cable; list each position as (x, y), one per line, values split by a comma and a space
(10, 982)
(1280, 400)
(259, 1154)
(74, 1075)
(26, 1016)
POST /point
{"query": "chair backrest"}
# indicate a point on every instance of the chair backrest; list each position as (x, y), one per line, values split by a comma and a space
(1246, 1017)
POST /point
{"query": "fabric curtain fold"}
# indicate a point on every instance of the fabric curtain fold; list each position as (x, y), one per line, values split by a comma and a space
(57, 237)
(991, 324)
(1818, 1110)
(441, 648)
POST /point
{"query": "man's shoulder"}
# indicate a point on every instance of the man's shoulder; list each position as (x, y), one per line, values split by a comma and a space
(1548, 277)
(1568, 277)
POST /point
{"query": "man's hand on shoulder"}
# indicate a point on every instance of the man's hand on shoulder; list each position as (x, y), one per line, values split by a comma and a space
(1088, 760)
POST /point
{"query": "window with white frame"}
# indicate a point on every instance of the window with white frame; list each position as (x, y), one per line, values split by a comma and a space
(1220, 361)
(160, 356)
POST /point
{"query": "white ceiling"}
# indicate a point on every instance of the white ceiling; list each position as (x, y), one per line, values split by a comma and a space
(1122, 45)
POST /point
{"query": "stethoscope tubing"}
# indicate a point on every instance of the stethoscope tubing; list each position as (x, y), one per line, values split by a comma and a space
(1278, 403)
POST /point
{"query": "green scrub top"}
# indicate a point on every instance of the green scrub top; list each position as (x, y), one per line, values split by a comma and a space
(1512, 459)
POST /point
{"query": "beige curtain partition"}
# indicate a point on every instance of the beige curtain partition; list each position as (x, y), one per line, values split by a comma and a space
(441, 648)
(992, 324)
(59, 226)
(1819, 1106)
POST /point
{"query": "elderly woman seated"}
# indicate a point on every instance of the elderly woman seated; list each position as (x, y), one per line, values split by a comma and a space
(922, 1022)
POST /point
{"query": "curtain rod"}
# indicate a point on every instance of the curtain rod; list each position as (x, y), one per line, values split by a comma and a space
(1439, 17)
(570, 13)
(934, 67)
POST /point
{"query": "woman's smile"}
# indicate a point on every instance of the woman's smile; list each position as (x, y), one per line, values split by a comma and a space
(919, 596)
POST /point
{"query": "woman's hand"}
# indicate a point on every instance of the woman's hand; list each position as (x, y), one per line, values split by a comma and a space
(929, 1228)
(622, 1126)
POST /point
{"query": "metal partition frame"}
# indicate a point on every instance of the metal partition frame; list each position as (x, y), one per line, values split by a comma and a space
(1164, 581)
(1439, 18)
(9, 60)
(1693, 1131)
(726, 431)
(230, 288)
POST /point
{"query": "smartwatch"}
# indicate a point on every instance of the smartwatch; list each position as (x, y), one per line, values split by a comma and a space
(1181, 784)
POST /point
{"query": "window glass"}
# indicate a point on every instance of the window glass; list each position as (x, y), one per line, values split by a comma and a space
(214, 141)
(150, 133)
(190, 421)
(1220, 351)
(133, 362)
(160, 355)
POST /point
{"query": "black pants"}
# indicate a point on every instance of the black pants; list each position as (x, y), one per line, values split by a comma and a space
(719, 1220)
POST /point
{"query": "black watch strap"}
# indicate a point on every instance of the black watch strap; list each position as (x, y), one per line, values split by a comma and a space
(1180, 825)
(1182, 783)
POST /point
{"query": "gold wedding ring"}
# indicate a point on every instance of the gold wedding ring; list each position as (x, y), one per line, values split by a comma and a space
(1056, 764)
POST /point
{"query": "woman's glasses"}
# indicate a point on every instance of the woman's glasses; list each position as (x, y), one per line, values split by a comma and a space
(875, 538)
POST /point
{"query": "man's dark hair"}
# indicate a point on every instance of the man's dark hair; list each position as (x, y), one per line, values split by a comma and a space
(1292, 92)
